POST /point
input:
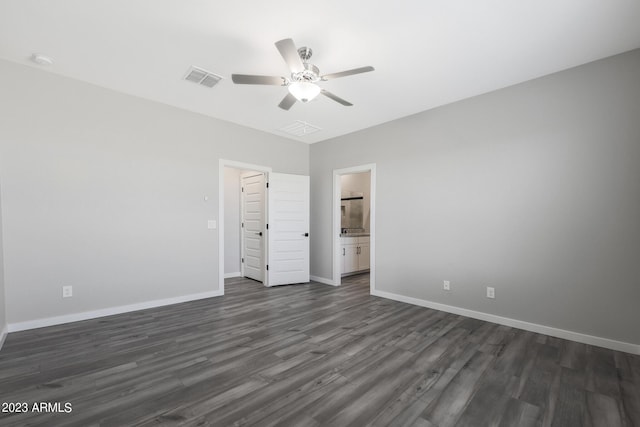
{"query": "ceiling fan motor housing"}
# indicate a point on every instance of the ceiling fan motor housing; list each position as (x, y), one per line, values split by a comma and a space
(305, 53)
(310, 74)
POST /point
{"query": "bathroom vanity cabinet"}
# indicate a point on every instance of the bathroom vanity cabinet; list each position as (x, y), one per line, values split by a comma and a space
(355, 254)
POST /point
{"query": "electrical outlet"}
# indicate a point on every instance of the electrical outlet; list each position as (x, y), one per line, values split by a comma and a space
(446, 285)
(491, 292)
(67, 291)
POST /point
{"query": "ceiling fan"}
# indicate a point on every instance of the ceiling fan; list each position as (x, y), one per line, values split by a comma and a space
(304, 76)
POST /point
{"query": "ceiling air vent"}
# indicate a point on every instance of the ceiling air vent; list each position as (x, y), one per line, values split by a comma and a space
(202, 77)
(299, 128)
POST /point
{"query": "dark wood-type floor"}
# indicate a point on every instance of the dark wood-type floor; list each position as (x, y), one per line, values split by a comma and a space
(309, 355)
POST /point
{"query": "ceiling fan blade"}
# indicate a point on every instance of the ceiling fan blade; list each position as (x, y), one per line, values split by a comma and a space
(287, 102)
(290, 54)
(248, 79)
(336, 98)
(348, 73)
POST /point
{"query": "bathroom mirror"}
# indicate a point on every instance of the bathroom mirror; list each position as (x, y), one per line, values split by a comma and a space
(352, 213)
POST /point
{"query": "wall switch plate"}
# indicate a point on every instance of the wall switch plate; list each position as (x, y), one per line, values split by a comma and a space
(67, 291)
(212, 224)
(491, 292)
(446, 285)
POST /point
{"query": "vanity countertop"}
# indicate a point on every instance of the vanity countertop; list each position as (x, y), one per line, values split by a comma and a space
(355, 235)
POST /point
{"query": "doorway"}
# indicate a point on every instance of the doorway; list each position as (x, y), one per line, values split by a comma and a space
(230, 241)
(354, 224)
(285, 236)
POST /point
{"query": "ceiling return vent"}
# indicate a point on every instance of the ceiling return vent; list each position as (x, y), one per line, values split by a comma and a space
(202, 77)
(300, 128)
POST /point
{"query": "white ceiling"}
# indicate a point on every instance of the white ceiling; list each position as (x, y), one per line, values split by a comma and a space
(426, 53)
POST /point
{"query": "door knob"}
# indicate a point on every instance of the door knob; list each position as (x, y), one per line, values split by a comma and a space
(306, 234)
(259, 233)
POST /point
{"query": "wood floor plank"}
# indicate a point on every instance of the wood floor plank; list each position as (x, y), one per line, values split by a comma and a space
(603, 410)
(520, 414)
(294, 405)
(489, 401)
(570, 406)
(311, 355)
(541, 385)
(602, 375)
(435, 378)
(361, 409)
(448, 407)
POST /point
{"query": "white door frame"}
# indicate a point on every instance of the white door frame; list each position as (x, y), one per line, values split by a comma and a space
(337, 173)
(223, 163)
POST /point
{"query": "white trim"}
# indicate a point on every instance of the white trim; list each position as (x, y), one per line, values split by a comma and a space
(222, 163)
(337, 277)
(519, 324)
(231, 275)
(322, 280)
(86, 315)
(3, 335)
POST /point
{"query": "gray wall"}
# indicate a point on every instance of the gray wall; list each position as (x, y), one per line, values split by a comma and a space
(533, 189)
(105, 192)
(231, 220)
(3, 317)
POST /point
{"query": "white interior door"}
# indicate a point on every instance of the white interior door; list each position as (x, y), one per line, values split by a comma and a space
(288, 229)
(253, 220)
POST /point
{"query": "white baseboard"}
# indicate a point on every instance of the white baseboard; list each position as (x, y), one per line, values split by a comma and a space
(230, 275)
(86, 315)
(519, 324)
(3, 335)
(322, 280)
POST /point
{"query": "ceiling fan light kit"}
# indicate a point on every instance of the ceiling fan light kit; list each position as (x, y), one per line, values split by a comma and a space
(304, 91)
(304, 76)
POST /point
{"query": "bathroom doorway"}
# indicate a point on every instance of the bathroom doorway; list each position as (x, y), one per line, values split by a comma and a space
(354, 226)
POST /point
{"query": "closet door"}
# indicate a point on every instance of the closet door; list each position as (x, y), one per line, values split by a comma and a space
(288, 229)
